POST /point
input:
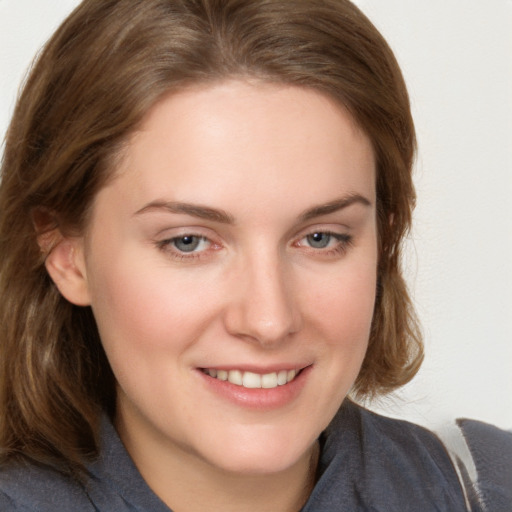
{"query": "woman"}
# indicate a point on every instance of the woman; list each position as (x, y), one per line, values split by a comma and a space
(202, 208)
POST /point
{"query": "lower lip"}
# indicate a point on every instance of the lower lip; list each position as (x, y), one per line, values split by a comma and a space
(258, 398)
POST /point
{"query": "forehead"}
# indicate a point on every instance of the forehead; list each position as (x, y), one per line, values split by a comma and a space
(256, 140)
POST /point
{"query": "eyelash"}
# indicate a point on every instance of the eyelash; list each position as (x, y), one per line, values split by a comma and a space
(168, 246)
(343, 243)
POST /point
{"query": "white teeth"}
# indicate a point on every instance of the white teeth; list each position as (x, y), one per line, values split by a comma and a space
(235, 377)
(269, 380)
(282, 377)
(253, 380)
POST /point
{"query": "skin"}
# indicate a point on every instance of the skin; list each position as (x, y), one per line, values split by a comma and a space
(256, 292)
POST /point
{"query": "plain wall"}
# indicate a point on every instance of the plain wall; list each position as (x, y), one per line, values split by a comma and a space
(457, 60)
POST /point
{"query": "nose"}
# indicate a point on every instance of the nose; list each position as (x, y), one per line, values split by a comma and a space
(263, 305)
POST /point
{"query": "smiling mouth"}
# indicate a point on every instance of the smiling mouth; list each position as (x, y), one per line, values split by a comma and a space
(253, 380)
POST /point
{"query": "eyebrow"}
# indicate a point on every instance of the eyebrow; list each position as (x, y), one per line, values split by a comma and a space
(218, 215)
(334, 206)
(195, 210)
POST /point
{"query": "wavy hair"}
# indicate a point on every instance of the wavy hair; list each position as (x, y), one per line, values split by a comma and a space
(96, 78)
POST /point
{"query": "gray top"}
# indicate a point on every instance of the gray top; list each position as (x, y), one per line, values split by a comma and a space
(368, 463)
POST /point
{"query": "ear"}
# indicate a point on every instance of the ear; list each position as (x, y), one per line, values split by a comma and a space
(65, 263)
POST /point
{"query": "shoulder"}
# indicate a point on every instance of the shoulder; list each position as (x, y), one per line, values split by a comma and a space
(405, 447)
(491, 452)
(371, 462)
(400, 441)
(28, 487)
(112, 484)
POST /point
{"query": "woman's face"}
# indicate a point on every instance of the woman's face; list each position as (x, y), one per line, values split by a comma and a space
(238, 241)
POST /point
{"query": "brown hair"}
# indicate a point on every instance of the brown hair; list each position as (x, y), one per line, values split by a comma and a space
(101, 72)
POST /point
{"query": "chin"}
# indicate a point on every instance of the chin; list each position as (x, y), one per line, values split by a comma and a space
(259, 464)
(259, 455)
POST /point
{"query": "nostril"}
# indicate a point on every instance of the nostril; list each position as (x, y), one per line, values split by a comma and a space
(262, 307)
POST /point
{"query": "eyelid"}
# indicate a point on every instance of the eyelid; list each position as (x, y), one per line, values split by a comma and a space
(331, 228)
(183, 230)
(333, 234)
(342, 235)
(165, 238)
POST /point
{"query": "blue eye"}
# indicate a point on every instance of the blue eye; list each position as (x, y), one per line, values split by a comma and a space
(326, 243)
(188, 247)
(189, 243)
(319, 240)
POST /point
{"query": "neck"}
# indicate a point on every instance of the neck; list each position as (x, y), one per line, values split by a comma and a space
(187, 483)
(286, 491)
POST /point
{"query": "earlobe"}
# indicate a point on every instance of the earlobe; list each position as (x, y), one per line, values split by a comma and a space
(66, 266)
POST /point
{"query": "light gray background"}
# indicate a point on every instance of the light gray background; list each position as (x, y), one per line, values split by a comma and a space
(456, 56)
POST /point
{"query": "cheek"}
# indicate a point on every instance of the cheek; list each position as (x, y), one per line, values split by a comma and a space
(345, 303)
(138, 304)
(149, 314)
(146, 324)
